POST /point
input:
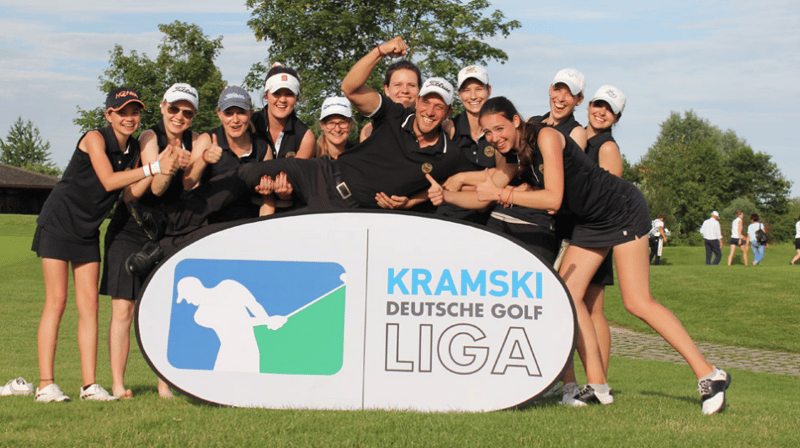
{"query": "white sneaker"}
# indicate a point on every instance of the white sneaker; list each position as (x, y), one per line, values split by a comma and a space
(590, 396)
(96, 393)
(17, 387)
(50, 393)
(712, 389)
(568, 394)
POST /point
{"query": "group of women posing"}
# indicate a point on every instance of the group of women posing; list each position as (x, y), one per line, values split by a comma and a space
(532, 179)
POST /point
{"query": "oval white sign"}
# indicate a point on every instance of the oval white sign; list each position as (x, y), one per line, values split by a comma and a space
(357, 310)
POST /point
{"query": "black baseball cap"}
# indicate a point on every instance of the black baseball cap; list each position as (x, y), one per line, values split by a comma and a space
(119, 97)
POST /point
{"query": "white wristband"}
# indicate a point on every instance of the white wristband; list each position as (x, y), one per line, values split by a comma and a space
(146, 170)
(155, 167)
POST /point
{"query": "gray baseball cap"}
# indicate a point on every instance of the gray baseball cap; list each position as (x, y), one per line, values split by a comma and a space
(234, 96)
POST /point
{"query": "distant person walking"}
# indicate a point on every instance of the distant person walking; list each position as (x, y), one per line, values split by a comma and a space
(796, 240)
(737, 238)
(712, 234)
(758, 248)
(657, 239)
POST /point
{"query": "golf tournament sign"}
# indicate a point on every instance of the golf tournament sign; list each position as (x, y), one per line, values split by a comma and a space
(357, 310)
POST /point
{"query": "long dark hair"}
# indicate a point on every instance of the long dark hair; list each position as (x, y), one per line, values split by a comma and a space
(529, 132)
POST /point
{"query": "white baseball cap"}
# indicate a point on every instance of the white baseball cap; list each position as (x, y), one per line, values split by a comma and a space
(715, 213)
(572, 78)
(282, 81)
(335, 105)
(182, 92)
(611, 95)
(474, 72)
(439, 86)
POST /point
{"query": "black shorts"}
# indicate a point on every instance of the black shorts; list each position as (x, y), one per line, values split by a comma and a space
(736, 242)
(797, 243)
(630, 220)
(605, 273)
(47, 244)
(119, 245)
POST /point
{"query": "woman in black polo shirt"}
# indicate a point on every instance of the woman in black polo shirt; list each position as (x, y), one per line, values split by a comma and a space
(125, 236)
(67, 233)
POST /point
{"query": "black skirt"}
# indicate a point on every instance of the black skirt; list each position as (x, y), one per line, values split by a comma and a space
(47, 244)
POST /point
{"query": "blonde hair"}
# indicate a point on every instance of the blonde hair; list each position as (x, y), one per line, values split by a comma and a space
(323, 149)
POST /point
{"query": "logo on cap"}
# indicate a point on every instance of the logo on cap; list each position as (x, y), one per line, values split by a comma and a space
(184, 90)
(125, 93)
(440, 85)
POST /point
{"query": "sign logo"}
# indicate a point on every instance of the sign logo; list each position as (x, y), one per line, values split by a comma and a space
(427, 167)
(258, 317)
(274, 313)
(489, 151)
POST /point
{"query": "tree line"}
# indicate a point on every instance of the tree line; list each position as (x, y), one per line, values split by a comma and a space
(692, 168)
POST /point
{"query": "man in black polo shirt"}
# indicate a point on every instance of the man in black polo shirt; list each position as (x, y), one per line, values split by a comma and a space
(406, 144)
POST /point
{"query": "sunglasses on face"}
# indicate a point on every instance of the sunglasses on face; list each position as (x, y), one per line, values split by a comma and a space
(187, 113)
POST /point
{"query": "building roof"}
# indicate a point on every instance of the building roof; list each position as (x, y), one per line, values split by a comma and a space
(11, 176)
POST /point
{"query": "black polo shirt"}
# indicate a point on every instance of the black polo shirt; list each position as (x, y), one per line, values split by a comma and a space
(79, 203)
(480, 154)
(293, 133)
(391, 161)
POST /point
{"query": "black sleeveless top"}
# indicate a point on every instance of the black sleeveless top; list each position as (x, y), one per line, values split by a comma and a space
(246, 206)
(79, 203)
(293, 134)
(175, 189)
(593, 145)
(565, 127)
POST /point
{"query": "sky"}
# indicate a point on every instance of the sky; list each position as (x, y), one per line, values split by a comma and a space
(735, 63)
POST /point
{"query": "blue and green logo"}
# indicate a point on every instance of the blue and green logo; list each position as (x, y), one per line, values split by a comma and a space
(257, 316)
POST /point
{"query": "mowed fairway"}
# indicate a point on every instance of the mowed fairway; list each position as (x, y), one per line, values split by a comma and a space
(657, 403)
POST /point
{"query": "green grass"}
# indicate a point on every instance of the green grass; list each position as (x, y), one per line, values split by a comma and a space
(746, 306)
(656, 402)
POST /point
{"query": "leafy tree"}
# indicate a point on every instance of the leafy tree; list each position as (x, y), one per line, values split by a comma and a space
(755, 176)
(24, 148)
(694, 168)
(323, 39)
(185, 55)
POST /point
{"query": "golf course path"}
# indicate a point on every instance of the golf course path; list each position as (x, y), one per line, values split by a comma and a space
(630, 344)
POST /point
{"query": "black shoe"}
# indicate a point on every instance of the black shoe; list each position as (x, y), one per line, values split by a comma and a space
(142, 262)
(151, 220)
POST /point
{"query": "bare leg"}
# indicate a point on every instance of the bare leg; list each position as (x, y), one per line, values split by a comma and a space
(796, 257)
(56, 278)
(634, 282)
(86, 276)
(577, 269)
(163, 390)
(595, 300)
(730, 257)
(744, 253)
(119, 343)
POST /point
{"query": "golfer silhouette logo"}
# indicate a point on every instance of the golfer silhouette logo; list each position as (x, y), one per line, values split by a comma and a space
(253, 316)
(232, 312)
